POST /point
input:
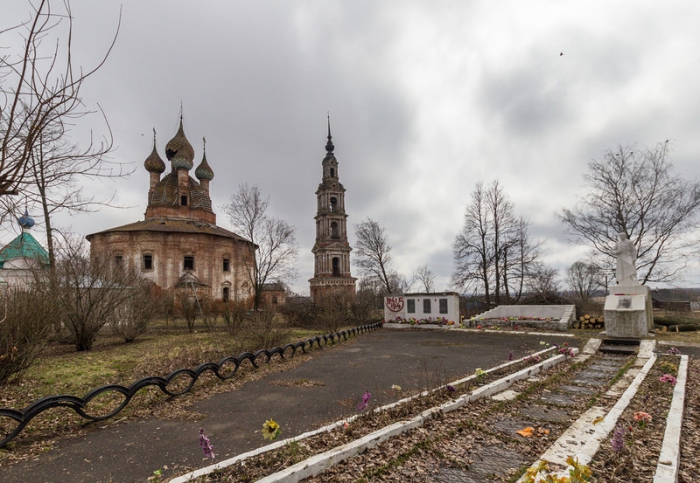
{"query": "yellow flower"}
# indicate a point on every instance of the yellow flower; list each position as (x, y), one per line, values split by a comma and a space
(271, 429)
(396, 387)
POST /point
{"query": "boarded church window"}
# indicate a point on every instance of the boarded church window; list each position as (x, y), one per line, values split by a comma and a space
(411, 306)
(147, 261)
(189, 263)
(426, 306)
(443, 306)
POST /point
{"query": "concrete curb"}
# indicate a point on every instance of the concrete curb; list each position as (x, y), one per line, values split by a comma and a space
(518, 332)
(319, 463)
(670, 456)
(391, 325)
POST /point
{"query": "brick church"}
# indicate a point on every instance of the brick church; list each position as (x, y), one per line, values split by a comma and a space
(331, 251)
(178, 244)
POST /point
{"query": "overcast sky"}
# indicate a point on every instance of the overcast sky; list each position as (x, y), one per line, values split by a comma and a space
(426, 99)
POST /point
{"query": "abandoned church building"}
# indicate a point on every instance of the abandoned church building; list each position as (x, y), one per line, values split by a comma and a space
(331, 250)
(178, 245)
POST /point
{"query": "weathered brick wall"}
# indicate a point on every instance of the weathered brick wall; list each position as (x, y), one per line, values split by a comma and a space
(168, 251)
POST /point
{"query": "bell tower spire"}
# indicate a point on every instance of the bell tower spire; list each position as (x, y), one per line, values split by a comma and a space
(331, 251)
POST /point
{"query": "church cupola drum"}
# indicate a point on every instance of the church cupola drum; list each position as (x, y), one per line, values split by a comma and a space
(331, 251)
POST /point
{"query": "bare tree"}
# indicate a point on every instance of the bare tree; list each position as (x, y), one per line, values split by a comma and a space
(543, 286)
(493, 252)
(636, 193)
(276, 243)
(472, 249)
(39, 86)
(87, 293)
(373, 254)
(584, 278)
(55, 166)
(425, 277)
(519, 259)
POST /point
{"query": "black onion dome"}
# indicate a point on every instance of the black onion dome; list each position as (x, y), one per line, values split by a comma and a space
(204, 171)
(179, 151)
(153, 163)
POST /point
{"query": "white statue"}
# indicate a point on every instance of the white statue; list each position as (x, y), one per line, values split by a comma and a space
(626, 253)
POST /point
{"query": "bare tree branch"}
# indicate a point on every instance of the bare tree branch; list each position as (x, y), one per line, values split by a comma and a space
(636, 193)
(39, 87)
(274, 238)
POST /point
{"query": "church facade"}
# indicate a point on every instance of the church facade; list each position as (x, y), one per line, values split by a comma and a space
(331, 249)
(178, 245)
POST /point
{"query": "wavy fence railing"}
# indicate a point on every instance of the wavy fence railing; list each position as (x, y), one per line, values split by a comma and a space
(225, 369)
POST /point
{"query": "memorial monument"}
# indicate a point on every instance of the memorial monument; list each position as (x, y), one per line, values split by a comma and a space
(628, 312)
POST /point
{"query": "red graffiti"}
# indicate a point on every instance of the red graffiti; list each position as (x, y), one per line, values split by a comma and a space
(395, 304)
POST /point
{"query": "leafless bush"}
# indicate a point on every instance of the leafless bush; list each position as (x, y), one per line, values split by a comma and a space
(233, 315)
(261, 331)
(25, 329)
(132, 318)
(334, 313)
(303, 315)
(88, 293)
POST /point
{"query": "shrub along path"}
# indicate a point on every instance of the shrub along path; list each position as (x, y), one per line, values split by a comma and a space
(324, 389)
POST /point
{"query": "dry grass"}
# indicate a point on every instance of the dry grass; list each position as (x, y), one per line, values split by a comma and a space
(61, 370)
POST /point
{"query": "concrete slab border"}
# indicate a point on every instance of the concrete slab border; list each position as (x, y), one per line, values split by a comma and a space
(318, 463)
(580, 432)
(670, 456)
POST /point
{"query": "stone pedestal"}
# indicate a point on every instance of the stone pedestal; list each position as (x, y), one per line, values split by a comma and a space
(628, 312)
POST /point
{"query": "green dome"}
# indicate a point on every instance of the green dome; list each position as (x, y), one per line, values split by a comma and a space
(204, 171)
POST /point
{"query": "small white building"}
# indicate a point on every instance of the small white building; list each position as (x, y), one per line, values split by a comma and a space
(423, 307)
(22, 257)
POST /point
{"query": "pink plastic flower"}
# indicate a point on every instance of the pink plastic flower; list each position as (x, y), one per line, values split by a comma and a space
(641, 416)
(668, 378)
(365, 401)
(205, 444)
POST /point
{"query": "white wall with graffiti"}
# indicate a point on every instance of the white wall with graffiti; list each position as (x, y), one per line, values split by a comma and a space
(422, 307)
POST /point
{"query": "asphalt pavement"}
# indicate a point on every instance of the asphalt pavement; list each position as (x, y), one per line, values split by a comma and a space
(339, 375)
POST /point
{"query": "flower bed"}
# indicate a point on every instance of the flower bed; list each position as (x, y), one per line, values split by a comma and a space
(631, 453)
(516, 323)
(414, 321)
(367, 421)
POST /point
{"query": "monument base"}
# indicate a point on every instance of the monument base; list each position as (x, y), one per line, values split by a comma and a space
(628, 312)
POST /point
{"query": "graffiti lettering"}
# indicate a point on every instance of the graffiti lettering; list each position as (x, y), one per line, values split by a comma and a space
(395, 304)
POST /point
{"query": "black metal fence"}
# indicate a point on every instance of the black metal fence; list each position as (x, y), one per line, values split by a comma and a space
(225, 369)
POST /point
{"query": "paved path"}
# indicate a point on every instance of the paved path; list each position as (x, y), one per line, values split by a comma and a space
(373, 362)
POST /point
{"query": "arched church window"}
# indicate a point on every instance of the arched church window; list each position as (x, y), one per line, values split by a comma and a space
(332, 172)
(336, 267)
(226, 294)
(334, 204)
